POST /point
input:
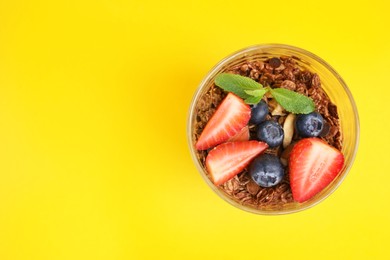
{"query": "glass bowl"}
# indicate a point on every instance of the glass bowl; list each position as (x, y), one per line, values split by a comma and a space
(333, 85)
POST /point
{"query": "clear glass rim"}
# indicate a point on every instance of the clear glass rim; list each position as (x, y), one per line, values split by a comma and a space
(215, 69)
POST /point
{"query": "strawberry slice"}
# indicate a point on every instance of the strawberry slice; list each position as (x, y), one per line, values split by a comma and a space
(313, 164)
(229, 118)
(229, 159)
(243, 135)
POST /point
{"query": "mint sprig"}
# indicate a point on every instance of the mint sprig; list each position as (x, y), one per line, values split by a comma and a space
(253, 100)
(252, 92)
(292, 101)
(255, 95)
(237, 84)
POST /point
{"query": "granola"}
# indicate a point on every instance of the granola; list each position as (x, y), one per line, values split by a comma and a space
(282, 72)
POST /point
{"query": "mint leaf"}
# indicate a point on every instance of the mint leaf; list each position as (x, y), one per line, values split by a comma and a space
(252, 100)
(252, 92)
(237, 84)
(292, 101)
(256, 92)
(255, 96)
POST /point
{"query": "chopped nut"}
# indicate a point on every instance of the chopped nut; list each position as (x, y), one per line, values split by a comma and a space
(278, 111)
(288, 128)
(275, 108)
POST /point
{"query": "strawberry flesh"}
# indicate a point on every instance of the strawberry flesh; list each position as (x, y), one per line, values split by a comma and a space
(228, 159)
(229, 118)
(243, 135)
(313, 164)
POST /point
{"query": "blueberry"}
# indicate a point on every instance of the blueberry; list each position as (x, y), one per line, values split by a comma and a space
(266, 170)
(271, 133)
(259, 112)
(309, 125)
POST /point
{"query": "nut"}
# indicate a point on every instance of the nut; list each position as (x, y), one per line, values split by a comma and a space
(288, 128)
(276, 109)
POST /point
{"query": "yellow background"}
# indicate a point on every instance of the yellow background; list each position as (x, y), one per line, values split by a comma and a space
(94, 162)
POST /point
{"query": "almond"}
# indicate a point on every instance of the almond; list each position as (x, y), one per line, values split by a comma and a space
(288, 128)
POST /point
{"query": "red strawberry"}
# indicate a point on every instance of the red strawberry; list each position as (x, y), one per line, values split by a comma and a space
(313, 164)
(228, 159)
(243, 135)
(229, 118)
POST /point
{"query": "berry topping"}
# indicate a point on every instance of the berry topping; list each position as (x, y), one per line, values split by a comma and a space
(309, 125)
(270, 132)
(313, 164)
(266, 170)
(229, 118)
(259, 112)
(227, 160)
